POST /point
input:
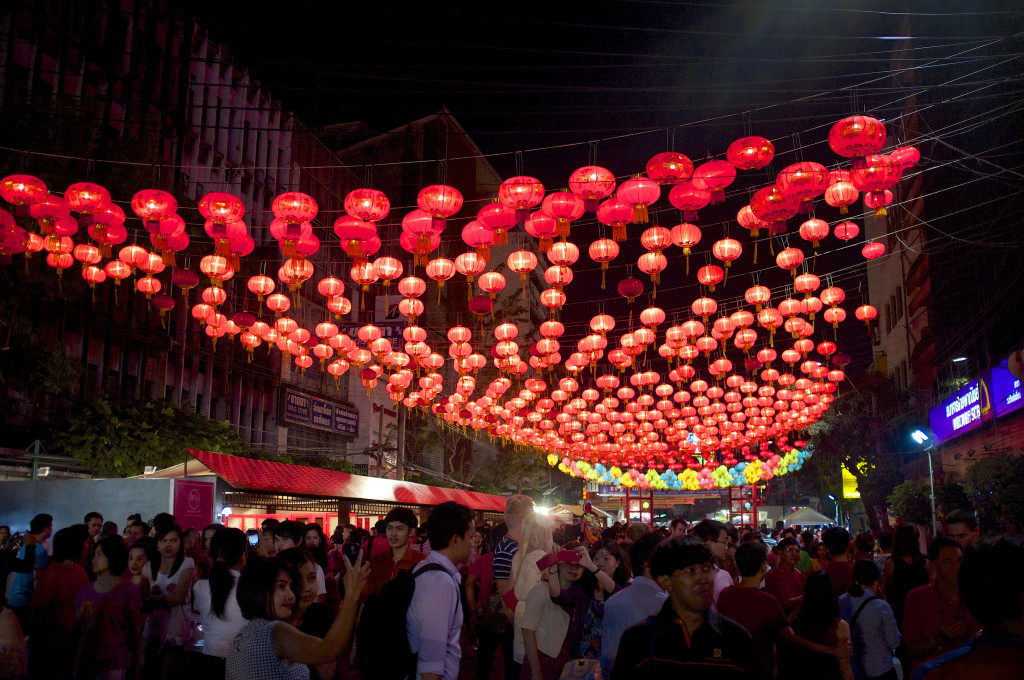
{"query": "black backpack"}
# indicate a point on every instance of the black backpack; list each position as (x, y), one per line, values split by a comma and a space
(382, 644)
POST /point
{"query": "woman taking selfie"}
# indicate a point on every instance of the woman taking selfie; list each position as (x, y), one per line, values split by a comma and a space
(269, 648)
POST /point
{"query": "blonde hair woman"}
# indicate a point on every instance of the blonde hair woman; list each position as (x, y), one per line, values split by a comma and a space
(537, 542)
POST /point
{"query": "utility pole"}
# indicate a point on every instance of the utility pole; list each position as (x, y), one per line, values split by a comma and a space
(400, 444)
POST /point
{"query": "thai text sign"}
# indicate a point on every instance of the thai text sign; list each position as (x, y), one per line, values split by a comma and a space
(305, 409)
(966, 410)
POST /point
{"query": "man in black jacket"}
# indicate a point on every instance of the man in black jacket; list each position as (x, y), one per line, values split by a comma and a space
(686, 638)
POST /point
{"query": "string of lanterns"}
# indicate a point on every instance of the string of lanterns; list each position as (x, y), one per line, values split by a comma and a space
(609, 417)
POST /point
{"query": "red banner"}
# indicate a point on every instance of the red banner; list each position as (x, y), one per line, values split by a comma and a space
(193, 503)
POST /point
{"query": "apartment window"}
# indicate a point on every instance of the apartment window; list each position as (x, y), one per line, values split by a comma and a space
(888, 317)
(899, 302)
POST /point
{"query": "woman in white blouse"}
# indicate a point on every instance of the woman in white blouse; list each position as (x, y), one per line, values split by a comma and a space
(215, 600)
(537, 542)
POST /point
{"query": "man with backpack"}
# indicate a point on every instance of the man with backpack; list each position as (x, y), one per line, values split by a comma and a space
(434, 617)
(400, 525)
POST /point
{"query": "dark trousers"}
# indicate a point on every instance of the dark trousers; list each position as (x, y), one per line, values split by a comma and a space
(487, 647)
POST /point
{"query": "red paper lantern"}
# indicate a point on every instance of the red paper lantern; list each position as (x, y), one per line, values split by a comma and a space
(440, 201)
(689, 198)
(630, 288)
(877, 201)
(638, 193)
(478, 238)
(22, 191)
(906, 157)
(260, 286)
(846, 231)
(440, 270)
(669, 168)
(652, 264)
(522, 262)
(857, 136)
(772, 206)
(543, 228)
(615, 214)
(564, 208)
(221, 209)
(714, 176)
(368, 205)
(840, 195)
(727, 250)
(492, 283)
(87, 198)
(520, 194)
(814, 230)
(758, 296)
(498, 218)
(750, 153)
(803, 182)
(789, 259)
(564, 253)
(294, 207)
(355, 234)
(153, 206)
(874, 173)
(710, 275)
(592, 184)
(603, 250)
(873, 250)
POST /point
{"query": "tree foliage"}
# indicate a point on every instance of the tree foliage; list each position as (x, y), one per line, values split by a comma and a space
(996, 487)
(849, 435)
(121, 440)
(909, 502)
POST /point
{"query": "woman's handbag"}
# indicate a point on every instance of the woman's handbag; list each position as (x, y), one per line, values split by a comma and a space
(581, 669)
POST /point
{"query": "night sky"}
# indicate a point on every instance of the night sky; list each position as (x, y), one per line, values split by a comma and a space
(621, 81)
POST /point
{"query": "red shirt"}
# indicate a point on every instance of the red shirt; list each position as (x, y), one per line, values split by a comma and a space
(841, 573)
(761, 615)
(925, 612)
(54, 604)
(483, 569)
(785, 585)
(383, 568)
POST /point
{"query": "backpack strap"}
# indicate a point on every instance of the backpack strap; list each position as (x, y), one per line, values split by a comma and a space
(434, 566)
(859, 610)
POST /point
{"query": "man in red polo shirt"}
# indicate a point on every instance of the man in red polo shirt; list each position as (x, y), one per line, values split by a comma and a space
(994, 592)
(400, 526)
(936, 619)
(785, 581)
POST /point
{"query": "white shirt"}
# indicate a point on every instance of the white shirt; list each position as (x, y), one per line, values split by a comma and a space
(321, 583)
(218, 633)
(434, 619)
(723, 580)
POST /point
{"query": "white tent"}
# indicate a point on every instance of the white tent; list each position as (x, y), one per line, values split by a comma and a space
(807, 517)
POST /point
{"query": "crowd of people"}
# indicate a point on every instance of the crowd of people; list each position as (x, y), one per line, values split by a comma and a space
(410, 601)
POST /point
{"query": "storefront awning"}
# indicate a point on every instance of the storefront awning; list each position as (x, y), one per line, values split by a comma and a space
(249, 474)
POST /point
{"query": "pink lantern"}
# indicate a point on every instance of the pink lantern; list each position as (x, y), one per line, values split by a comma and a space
(592, 184)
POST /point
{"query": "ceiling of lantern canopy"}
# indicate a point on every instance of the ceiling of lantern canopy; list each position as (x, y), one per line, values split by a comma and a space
(664, 370)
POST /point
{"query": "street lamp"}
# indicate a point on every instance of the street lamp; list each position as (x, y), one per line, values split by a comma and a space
(920, 438)
(836, 504)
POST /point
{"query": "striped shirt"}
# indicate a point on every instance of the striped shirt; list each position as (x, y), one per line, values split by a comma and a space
(503, 554)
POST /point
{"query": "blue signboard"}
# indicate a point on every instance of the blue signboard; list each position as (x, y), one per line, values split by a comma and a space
(305, 409)
(966, 410)
(1007, 391)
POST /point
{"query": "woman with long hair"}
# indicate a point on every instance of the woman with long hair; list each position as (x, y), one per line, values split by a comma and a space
(170, 575)
(308, 615)
(107, 613)
(269, 648)
(818, 621)
(536, 542)
(905, 570)
(547, 623)
(872, 624)
(215, 601)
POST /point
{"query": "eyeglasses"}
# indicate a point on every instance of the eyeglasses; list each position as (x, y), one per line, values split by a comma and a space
(723, 542)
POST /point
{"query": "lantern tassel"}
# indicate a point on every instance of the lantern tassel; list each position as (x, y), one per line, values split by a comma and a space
(562, 227)
(755, 252)
(843, 210)
(619, 232)
(545, 244)
(881, 212)
(640, 214)
(604, 268)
